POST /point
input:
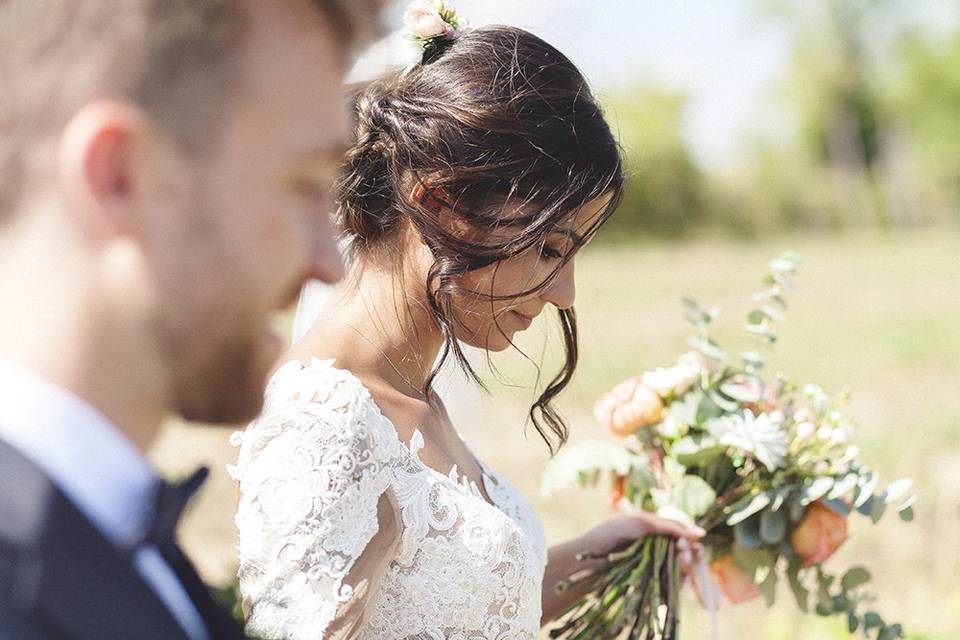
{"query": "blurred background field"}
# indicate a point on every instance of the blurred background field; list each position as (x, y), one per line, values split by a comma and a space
(881, 313)
(750, 127)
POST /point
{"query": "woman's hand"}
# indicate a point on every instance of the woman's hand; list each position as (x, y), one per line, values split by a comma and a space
(619, 532)
(587, 554)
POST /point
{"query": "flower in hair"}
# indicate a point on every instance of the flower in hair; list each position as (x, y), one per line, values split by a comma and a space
(431, 21)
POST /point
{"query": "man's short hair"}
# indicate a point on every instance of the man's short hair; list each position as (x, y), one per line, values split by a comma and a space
(172, 57)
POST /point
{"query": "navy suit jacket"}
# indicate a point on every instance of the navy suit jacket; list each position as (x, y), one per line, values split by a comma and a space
(60, 578)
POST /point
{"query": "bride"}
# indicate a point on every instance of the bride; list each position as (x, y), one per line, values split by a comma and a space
(476, 177)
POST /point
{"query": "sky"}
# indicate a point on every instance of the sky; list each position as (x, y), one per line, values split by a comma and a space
(723, 54)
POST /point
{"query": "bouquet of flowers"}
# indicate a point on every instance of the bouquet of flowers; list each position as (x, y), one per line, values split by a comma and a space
(764, 466)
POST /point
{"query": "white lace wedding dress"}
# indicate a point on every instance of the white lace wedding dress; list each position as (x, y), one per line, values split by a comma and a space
(345, 531)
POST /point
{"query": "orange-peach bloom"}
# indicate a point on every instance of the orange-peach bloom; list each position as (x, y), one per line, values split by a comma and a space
(735, 583)
(619, 489)
(821, 532)
(629, 406)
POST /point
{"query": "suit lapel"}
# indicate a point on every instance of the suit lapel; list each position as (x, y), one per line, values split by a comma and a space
(87, 588)
(64, 576)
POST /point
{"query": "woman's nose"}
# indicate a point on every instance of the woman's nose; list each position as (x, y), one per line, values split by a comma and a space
(562, 292)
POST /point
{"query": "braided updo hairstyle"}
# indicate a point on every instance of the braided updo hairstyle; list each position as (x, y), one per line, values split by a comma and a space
(502, 129)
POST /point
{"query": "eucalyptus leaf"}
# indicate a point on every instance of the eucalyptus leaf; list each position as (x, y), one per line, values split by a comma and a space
(840, 603)
(906, 514)
(783, 281)
(781, 496)
(699, 457)
(758, 329)
(872, 620)
(772, 313)
(797, 509)
(768, 587)
(708, 348)
(800, 593)
(580, 464)
(753, 561)
(853, 622)
(747, 533)
(694, 312)
(855, 577)
(707, 409)
(746, 507)
(726, 404)
(891, 633)
(843, 486)
(837, 505)
(693, 496)
(817, 489)
(773, 526)
(897, 490)
(866, 507)
(741, 392)
(752, 359)
(867, 486)
(879, 507)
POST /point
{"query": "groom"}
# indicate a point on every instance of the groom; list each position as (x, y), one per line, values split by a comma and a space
(165, 171)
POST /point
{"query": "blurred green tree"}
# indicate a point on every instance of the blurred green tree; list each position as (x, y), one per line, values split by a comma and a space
(665, 195)
(926, 98)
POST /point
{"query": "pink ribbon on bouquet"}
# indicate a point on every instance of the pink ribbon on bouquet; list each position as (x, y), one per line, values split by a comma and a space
(709, 595)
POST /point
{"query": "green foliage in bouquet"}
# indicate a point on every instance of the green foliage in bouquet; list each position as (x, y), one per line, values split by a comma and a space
(764, 466)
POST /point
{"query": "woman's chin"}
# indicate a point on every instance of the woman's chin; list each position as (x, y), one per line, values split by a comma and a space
(494, 343)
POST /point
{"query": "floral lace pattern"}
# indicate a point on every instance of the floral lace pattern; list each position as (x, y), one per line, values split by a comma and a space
(312, 470)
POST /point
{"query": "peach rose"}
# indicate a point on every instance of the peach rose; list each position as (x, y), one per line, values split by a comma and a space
(821, 532)
(423, 20)
(735, 583)
(629, 406)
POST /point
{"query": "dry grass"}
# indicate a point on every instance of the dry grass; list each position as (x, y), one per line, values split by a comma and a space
(879, 313)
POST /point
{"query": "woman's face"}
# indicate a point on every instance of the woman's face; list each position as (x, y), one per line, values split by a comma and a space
(486, 321)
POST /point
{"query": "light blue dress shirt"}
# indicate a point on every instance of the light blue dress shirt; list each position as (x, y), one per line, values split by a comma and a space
(97, 468)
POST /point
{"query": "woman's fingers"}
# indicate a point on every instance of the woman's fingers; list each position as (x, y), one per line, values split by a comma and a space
(662, 526)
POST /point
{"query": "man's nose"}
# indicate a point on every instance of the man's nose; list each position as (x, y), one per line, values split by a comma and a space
(326, 263)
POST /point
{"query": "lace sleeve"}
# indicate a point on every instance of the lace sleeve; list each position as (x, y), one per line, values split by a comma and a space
(316, 524)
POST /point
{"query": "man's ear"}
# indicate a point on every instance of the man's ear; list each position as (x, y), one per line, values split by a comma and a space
(97, 165)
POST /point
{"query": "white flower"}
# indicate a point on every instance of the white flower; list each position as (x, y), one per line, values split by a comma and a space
(777, 416)
(671, 428)
(817, 397)
(825, 433)
(841, 434)
(805, 430)
(675, 380)
(759, 436)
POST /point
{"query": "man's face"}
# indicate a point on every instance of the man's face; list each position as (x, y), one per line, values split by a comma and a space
(254, 222)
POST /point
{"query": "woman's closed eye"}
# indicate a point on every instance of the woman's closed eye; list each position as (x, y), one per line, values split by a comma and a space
(548, 252)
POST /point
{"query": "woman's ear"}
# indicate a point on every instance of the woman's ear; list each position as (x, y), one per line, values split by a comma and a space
(433, 199)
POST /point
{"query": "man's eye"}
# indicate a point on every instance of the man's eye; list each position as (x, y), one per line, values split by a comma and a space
(549, 253)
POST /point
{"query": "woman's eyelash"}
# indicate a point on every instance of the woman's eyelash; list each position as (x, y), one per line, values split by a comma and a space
(548, 252)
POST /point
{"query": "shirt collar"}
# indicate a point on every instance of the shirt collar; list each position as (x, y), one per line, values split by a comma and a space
(86, 456)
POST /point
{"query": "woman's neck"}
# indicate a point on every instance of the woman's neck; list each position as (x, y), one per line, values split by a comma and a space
(386, 326)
